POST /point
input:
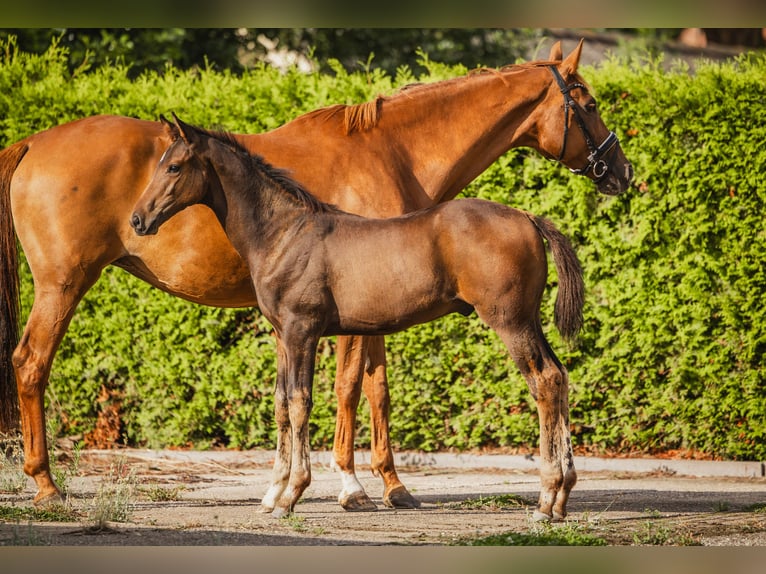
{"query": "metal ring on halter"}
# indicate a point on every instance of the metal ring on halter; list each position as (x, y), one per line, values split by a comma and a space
(600, 165)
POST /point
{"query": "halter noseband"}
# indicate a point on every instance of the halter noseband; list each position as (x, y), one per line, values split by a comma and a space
(596, 163)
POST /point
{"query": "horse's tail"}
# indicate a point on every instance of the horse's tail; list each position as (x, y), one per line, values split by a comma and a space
(571, 295)
(9, 290)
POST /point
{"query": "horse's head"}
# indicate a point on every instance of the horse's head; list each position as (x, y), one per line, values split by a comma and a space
(572, 132)
(179, 180)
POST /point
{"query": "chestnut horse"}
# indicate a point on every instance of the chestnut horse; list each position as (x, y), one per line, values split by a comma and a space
(320, 271)
(72, 189)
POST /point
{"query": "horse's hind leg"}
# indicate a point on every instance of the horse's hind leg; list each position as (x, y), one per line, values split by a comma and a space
(49, 318)
(375, 387)
(549, 384)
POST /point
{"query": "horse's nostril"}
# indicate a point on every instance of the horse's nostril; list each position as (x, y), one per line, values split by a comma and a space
(135, 221)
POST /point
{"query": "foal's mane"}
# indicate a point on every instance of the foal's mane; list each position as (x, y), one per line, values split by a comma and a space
(261, 169)
(366, 115)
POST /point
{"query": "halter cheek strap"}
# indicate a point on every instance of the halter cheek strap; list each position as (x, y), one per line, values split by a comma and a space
(596, 163)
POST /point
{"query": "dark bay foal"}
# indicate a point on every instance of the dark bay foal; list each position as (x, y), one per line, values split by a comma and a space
(319, 271)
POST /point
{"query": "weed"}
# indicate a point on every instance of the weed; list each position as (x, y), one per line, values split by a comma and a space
(297, 523)
(653, 534)
(157, 493)
(12, 477)
(114, 500)
(653, 513)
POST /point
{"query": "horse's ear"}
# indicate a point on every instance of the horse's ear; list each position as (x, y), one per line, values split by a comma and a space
(556, 54)
(170, 129)
(569, 66)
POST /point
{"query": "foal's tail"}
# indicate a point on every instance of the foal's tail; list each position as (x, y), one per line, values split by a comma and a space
(9, 290)
(571, 296)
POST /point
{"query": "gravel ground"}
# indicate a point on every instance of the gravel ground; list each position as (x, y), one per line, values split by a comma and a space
(180, 498)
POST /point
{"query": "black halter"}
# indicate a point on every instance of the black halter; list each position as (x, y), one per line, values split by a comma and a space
(596, 163)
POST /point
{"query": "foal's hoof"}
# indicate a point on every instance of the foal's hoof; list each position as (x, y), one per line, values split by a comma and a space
(265, 509)
(538, 516)
(49, 499)
(281, 512)
(357, 502)
(399, 497)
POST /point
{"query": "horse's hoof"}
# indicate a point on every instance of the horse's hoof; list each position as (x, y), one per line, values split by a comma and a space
(558, 517)
(280, 512)
(265, 509)
(538, 516)
(357, 502)
(400, 497)
(46, 500)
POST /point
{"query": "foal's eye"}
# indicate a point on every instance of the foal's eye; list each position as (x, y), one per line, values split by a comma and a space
(174, 168)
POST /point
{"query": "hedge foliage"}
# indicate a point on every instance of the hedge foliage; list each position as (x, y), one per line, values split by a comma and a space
(672, 353)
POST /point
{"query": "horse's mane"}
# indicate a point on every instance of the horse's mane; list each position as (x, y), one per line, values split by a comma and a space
(366, 115)
(262, 169)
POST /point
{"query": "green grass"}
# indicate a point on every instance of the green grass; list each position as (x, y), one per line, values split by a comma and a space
(56, 513)
(569, 534)
(157, 493)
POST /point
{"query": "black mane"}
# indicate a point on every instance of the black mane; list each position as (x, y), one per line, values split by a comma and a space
(261, 168)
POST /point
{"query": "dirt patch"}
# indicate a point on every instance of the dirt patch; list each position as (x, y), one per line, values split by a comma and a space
(214, 501)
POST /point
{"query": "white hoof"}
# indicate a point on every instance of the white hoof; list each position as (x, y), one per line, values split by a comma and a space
(538, 516)
(280, 512)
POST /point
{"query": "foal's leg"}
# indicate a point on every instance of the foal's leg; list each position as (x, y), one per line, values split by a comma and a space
(375, 387)
(281, 471)
(52, 310)
(300, 352)
(351, 358)
(549, 384)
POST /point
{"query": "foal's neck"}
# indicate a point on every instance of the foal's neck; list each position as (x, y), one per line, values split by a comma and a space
(253, 209)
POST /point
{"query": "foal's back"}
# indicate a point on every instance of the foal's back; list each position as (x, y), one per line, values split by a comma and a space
(386, 275)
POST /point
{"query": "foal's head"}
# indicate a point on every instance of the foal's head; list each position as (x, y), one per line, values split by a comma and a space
(572, 131)
(181, 179)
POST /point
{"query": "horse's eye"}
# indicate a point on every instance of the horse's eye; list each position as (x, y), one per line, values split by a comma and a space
(174, 168)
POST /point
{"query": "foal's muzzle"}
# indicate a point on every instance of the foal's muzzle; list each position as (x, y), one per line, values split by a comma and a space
(140, 227)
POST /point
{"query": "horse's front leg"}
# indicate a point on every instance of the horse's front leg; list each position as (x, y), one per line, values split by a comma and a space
(351, 360)
(281, 472)
(300, 353)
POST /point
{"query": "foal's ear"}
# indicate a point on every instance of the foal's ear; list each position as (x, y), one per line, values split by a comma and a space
(170, 129)
(556, 54)
(569, 66)
(185, 131)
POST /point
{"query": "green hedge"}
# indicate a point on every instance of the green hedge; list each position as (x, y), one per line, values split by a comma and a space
(671, 356)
